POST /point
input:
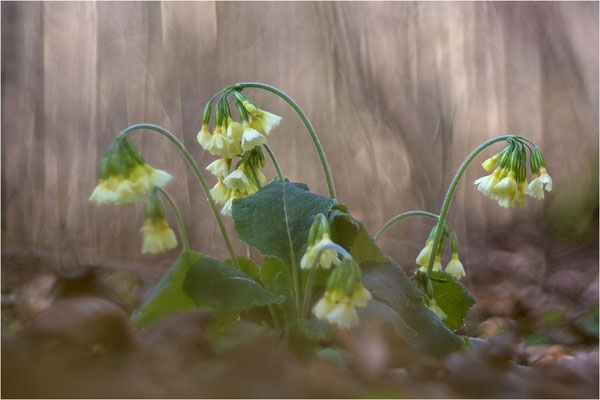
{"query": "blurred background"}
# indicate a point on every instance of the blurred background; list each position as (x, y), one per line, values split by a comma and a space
(398, 92)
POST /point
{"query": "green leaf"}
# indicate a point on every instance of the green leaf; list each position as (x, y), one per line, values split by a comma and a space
(224, 288)
(352, 235)
(247, 266)
(405, 311)
(269, 270)
(452, 297)
(168, 296)
(276, 220)
(314, 329)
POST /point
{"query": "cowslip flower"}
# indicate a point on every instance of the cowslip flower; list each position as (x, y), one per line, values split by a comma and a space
(238, 180)
(204, 137)
(490, 162)
(219, 168)
(125, 177)
(425, 254)
(536, 186)
(261, 120)
(326, 259)
(234, 130)
(505, 190)
(251, 138)
(227, 208)
(158, 236)
(455, 267)
(220, 193)
(344, 293)
(487, 183)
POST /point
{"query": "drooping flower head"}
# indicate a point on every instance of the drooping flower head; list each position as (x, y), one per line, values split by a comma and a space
(157, 236)
(124, 175)
(344, 293)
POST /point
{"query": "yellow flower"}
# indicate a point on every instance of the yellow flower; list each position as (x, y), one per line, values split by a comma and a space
(324, 307)
(217, 143)
(423, 257)
(238, 180)
(327, 257)
(486, 183)
(455, 267)
(260, 120)
(343, 315)
(219, 168)
(436, 309)
(252, 138)
(220, 193)
(234, 130)
(117, 189)
(361, 296)
(204, 137)
(536, 186)
(158, 236)
(232, 148)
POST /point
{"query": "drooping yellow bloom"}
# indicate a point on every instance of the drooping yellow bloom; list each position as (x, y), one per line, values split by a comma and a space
(536, 186)
(455, 267)
(238, 180)
(219, 168)
(343, 314)
(204, 137)
(227, 208)
(425, 254)
(324, 306)
(261, 120)
(118, 189)
(326, 259)
(220, 193)
(158, 236)
(252, 138)
(486, 183)
(234, 130)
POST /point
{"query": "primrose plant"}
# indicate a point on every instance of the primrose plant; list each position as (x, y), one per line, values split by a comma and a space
(319, 267)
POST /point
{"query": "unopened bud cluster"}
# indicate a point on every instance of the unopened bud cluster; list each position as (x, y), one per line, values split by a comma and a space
(231, 139)
(508, 183)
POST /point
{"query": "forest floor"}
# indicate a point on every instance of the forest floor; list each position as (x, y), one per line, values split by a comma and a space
(67, 334)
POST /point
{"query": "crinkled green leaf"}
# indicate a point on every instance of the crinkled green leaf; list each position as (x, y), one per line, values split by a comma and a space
(215, 284)
(452, 297)
(168, 296)
(352, 235)
(247, 266)
(276, 220)
(269, 270)
(427, 333)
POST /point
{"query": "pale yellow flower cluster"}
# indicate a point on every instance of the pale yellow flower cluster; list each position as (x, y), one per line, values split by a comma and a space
(125, 177)
(339, 308)
(232, 139)
(344, 293)
(508, 183)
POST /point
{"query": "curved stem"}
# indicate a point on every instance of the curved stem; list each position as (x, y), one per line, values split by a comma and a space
(402, 216)
(450, 193)
(186, 155)
(182, 231)
(255, 176)
(308, 289)
(306, 122)
(275, 163)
